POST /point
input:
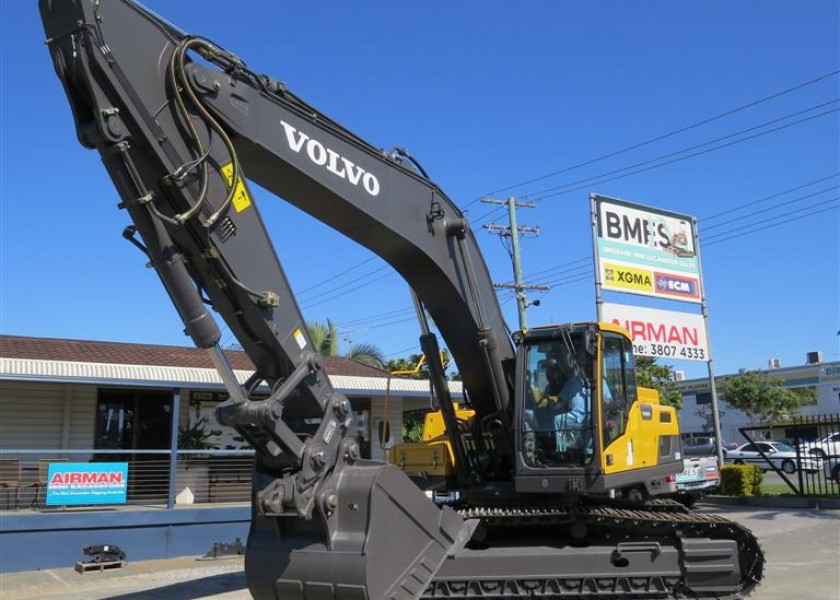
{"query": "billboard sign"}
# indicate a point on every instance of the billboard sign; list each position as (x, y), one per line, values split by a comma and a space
(660, 333)
(646, 251)
(87, 483)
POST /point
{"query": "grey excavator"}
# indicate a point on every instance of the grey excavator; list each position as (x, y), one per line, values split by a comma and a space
(543, 510)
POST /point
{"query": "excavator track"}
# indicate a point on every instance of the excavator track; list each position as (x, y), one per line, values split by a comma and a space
(683, 555)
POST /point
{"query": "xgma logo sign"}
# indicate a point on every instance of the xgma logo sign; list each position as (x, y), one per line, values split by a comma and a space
(619, 276)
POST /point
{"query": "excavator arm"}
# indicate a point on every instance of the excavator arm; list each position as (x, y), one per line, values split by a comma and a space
(177, 121)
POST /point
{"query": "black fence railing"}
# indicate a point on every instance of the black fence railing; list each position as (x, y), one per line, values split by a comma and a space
(805, 453)
(164, 478)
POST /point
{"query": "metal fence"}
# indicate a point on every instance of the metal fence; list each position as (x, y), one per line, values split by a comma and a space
(165, 478)
(813, 468)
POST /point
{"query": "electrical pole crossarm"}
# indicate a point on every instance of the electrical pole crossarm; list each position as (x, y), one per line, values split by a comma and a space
(513, 231)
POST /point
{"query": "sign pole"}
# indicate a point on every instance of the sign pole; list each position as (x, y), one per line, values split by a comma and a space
(593, 217)
(705, 313)
(173, 448)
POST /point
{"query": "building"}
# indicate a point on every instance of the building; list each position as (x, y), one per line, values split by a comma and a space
(696, 414)
(78, 401)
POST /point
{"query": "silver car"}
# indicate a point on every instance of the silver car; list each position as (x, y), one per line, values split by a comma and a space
(831, 469)
(781, 455)
(823, 447)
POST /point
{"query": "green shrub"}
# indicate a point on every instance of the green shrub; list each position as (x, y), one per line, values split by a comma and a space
(741, 480)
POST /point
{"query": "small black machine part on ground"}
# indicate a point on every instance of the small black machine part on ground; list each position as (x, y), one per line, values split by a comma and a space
(222, 549)
(102, 553)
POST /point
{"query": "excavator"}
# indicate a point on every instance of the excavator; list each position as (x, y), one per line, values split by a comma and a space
(548, 488)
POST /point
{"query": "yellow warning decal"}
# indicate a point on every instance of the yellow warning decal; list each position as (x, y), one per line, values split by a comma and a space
(241, 199)
(298, 335)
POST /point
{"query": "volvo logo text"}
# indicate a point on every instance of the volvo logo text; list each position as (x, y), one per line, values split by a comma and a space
(330, 159)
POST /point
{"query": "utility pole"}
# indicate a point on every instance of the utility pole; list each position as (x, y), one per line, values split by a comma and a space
(513, 231)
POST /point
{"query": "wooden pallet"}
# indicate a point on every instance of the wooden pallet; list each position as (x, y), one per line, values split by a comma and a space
(84, 567)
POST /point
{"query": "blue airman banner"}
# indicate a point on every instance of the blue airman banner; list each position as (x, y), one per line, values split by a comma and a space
(87, 483)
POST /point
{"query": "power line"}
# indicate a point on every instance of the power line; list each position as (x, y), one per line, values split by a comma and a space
(391, 313)
(580, 270)
(343, 285)
(592, 180)
(750, 225)
(332, 278)
(782, 193)
(567, 273)
(570, 277)
(559, 268)
(660, 137)
(774, 207)
(356, 286)
(609, 155)
(835, 207)
(586, 277)
(738, 232)
(391, 323)
(409, 349)
(589, 181)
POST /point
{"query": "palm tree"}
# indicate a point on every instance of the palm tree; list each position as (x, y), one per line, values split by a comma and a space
(325, 338)
(368, 354)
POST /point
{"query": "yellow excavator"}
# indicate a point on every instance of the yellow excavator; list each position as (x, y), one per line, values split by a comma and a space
(559, 431)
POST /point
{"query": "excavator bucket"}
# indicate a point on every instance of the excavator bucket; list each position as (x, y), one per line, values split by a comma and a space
(384, 540)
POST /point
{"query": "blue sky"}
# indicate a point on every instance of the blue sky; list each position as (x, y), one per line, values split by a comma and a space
(487, 95)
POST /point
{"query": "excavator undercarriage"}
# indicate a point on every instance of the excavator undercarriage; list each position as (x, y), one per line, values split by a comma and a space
(595, 550)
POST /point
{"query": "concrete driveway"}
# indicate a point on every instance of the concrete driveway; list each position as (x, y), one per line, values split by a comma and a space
(802, 548)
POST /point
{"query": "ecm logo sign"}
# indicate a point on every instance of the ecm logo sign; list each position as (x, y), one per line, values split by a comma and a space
(675, 285)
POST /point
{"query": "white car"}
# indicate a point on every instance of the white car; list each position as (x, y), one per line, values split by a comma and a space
(781, 455)
(823, 447)
(831, 469)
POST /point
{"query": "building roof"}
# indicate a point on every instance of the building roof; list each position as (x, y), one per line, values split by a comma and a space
(797, 375)
(123, 353)
(86, 361)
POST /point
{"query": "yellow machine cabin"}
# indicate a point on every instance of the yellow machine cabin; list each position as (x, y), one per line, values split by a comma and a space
(583, 425)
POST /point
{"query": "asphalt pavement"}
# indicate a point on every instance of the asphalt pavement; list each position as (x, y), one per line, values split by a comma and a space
(802, 547)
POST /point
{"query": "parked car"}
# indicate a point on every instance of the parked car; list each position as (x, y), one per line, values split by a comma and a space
(698, 446)
(823, 447)
(700, 476)
(781, 455)
(702, 445)
(831, 469)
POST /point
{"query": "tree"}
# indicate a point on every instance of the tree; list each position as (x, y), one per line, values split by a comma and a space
(368, 354)
(764, 398)
(325, 338)
(410, 364)
(649, 374)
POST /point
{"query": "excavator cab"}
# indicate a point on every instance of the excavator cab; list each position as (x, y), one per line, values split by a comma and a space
(583, 425)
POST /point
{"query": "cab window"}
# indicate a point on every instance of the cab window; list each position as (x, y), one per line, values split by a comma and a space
(557, 424)
(618, 385)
